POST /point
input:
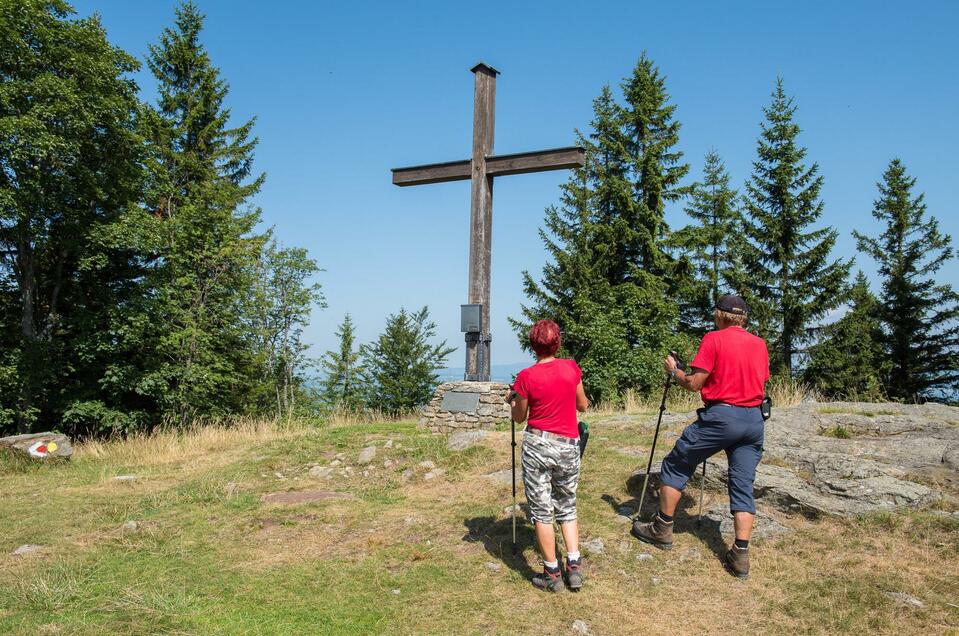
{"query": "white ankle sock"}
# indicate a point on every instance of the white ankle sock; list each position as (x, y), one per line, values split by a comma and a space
(552, 565)
(573, 556)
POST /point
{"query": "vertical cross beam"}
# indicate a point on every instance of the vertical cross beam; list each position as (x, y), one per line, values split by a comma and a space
(481, 218)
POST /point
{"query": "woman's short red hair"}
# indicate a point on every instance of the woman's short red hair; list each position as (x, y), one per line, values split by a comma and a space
(545, 338)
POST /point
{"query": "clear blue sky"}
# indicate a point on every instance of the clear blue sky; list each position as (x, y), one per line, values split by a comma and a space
(345, 91)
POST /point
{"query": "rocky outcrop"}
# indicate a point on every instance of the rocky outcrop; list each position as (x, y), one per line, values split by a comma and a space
(850, 458)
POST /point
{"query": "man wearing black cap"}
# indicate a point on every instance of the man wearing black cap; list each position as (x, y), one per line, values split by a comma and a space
(730, 369)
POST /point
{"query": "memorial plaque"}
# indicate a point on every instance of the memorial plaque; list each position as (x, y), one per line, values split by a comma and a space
(460, 402)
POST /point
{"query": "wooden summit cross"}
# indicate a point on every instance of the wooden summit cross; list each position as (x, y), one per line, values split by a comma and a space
(481, 169)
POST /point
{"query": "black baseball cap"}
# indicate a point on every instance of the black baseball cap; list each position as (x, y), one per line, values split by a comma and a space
(733, 304)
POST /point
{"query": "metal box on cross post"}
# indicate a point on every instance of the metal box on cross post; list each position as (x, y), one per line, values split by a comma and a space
(471, 323)
(471, 319)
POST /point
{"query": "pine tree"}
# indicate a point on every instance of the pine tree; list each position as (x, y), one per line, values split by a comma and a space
(709, 244)
(848, 361)
(921, 317)
(69, 166)
(342, 386)
(788, 278)
(610, 276)
(399, 368)
(206, 251)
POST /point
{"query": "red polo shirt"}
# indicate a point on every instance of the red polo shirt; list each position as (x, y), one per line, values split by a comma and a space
(738, 366)
(550, 388)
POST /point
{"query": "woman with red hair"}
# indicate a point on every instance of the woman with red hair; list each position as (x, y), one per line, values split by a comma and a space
(547, 396)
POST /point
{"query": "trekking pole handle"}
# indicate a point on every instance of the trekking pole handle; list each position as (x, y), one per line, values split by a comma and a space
(680, 363)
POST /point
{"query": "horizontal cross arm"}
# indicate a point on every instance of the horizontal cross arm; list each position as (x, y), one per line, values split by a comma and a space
(432, 173)
(496, 166)
(536, 161)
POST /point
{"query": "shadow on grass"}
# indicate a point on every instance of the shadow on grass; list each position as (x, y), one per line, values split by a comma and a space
(685, 519)
(496, 536)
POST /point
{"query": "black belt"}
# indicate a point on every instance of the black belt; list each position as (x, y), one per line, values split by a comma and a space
(573, 441)
(709, 404)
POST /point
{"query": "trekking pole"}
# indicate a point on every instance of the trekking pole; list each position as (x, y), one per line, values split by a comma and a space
(649, 464)
(512, 424)
(662, 407)
(702, 489)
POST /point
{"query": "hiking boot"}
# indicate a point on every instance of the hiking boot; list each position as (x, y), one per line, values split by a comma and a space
(657, 532)
(574, 573)
(550, 580)
(737, 562)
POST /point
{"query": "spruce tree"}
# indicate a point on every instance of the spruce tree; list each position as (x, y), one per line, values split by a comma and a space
(709, 244)
(920, 317)
(399, 368)
(788, 277)
(205, 247)
(848, 361)
(610, 276)
(650, 134)
(342, 386)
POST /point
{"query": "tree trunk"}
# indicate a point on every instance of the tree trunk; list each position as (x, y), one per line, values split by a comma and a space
(26, 277)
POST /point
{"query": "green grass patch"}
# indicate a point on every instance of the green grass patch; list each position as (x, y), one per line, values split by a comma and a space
(838, 431)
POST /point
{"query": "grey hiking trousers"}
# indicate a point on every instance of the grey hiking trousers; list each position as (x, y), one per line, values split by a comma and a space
(550, 476)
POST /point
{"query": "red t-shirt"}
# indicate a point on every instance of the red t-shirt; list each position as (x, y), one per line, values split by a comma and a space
(738, 365)
(550, 388)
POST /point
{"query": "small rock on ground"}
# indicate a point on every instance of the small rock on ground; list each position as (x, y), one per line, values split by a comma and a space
(655, 580)
(691, 554)
(579, 626)
(493, 566)
(505, 476)
(428, 465)
(130, 526)
(594, 546)
(436, 472)
(407, 473)
(25, 549)
(906, 599)
(644, 556)
(366, 455)
(125, 478)
(461, 440)
(765, 527)
(321, 472)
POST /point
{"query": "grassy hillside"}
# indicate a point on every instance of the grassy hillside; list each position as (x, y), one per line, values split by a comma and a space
(398, 552)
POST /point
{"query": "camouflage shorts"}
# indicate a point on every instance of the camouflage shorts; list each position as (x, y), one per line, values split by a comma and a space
(551, 476)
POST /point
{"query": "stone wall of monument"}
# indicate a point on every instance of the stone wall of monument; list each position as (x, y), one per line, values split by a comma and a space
(490, 409)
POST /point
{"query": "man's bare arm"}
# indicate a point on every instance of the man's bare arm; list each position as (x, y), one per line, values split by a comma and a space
(692, 381)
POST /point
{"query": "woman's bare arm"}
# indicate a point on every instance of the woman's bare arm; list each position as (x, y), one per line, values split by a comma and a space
(519, 408)
(582, 403)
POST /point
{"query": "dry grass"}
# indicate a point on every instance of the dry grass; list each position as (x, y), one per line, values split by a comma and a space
(788, 392)
(174, 446)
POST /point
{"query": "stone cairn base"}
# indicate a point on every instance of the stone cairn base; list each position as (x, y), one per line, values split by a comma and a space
(491, 407)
